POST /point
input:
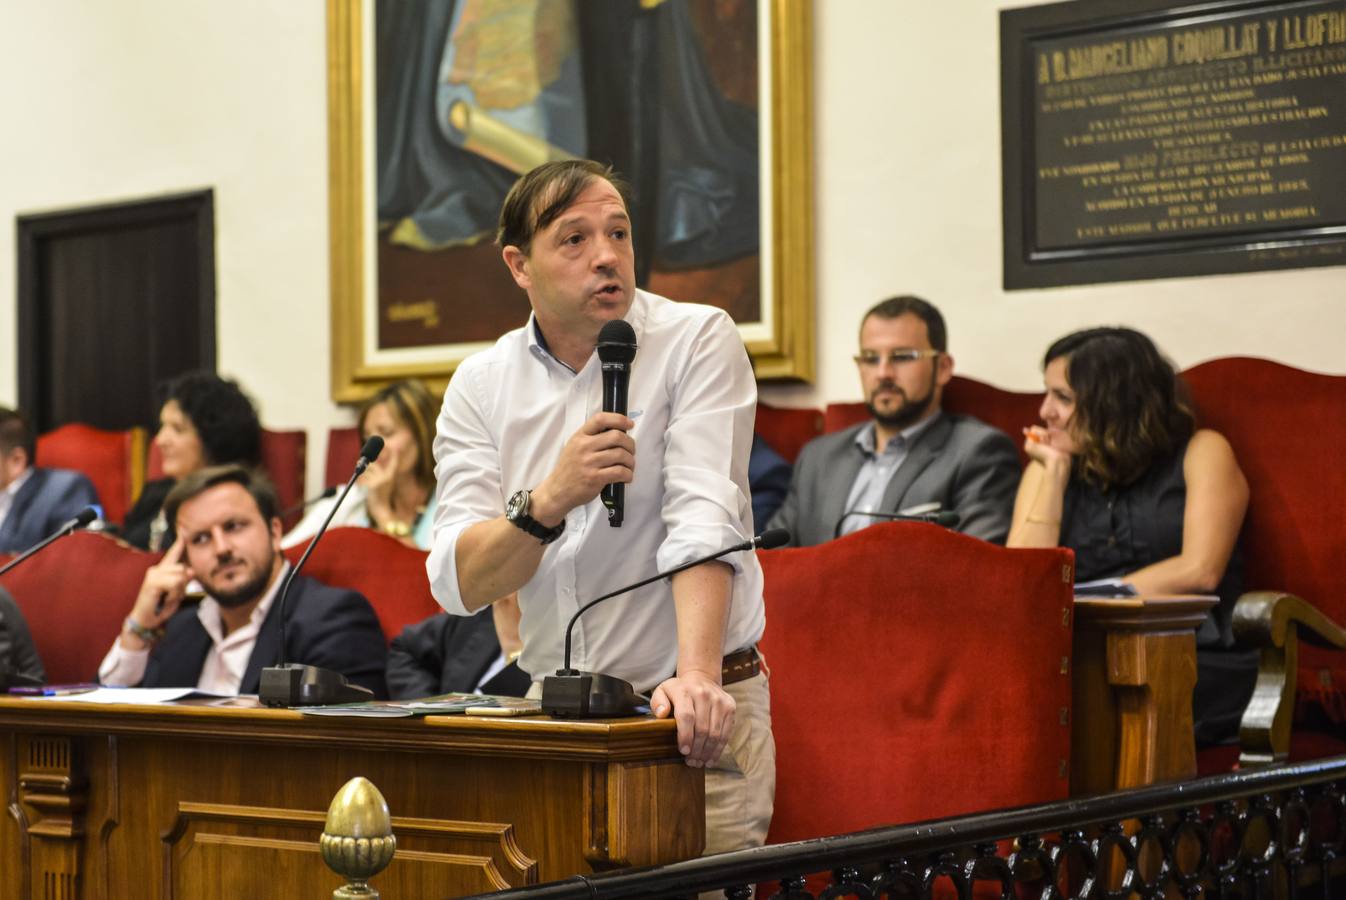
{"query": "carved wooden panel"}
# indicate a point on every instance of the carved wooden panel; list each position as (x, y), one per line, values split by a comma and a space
(52, 793)
(195, 801)
(636, 811)
(223, 851)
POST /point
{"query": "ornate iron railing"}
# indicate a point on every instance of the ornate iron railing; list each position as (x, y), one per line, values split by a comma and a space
(1272, 832)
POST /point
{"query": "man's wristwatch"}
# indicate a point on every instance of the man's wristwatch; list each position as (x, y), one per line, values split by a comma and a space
(516, 510)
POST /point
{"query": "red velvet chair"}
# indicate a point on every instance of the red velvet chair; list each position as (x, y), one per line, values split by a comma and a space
(343, 449)
(915, 673)
(284, 456)
(113, 460)
(786, 429)
(389, 573)
(75, 595)
(1288, 431)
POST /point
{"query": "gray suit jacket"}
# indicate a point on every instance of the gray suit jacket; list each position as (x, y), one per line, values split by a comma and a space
(49, 499)
(963, 464)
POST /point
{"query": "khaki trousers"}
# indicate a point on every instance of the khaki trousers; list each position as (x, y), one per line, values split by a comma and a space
(741, 787)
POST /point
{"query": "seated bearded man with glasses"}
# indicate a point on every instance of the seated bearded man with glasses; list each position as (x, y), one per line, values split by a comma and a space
(910, 458)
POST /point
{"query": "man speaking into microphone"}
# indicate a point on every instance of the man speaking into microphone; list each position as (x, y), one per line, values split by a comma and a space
(524, 449)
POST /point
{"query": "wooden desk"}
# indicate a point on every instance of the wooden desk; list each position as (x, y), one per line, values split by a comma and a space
(196, 802)
(1135, 666)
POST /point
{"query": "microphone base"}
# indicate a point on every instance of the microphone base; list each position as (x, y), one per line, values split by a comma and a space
(296, 685)
(591, 695)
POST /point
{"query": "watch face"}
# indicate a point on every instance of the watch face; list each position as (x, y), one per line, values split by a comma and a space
(517, 505)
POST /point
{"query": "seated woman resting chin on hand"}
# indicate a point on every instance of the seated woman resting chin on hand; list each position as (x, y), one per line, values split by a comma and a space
(396, 494)
(1119, 473)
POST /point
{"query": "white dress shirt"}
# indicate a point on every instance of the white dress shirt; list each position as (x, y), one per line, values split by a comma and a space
(11, 491)
(507, 413)
(226, 660)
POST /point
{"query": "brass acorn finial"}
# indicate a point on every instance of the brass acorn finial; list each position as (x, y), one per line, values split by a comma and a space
(357, 841)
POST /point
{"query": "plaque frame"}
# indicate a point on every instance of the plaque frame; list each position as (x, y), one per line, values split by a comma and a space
(1026, 266)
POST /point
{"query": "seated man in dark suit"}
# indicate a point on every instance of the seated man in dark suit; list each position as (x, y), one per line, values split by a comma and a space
(228, 540)
(769, 481)
(459, 654)
(33, 502)
(910, 457)
(19, 662)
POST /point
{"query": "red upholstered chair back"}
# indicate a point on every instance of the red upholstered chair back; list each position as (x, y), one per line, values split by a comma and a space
(284, 456)
(843, 415)
(1010, 411)
(113, 460)
(787, 429)
(389, 573)
(915, 673)
(1288, 430)
(343, 449)
(75, 595)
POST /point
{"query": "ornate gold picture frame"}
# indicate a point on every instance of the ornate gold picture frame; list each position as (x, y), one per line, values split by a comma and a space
(781, 342)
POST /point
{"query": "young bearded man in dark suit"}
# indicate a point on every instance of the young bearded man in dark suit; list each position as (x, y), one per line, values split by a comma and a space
(228, 540)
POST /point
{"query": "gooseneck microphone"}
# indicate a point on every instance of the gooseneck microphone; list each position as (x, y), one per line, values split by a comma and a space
(944, 518)
(571, 694)
(85, 516)
(616, 349)
(305, 504)
(286, 684)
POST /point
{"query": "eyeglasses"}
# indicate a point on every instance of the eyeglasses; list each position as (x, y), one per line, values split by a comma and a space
(893, 358)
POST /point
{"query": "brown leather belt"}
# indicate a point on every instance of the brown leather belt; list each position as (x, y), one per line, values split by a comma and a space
(741, 665)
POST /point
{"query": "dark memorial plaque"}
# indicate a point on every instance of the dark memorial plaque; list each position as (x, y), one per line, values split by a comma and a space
(1150, 139)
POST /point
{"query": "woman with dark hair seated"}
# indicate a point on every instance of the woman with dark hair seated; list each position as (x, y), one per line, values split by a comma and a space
(1120, 474)
(204, 420)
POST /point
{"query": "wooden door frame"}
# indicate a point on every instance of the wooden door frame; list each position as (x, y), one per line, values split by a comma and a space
(32, 231)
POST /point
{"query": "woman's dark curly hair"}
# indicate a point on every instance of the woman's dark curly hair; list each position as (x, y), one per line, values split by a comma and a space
(222, 415)
(1131, 408)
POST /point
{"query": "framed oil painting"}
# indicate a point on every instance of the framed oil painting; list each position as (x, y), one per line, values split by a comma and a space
(436, 107)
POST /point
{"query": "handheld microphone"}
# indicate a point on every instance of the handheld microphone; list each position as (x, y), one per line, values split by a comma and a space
(945, 518)
(85, 516)
(616, 349)
(286, 684)
(305, 504)
(571, 694)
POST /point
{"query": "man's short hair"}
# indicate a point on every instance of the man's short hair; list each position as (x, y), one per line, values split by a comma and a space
(202, 480)
(16, 432)
(923, 309)
(541, 195)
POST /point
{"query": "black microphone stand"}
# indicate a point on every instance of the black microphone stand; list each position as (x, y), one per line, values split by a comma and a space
(945, 518)
(86, 515)
(305, 504)
(295, 684)
(572, 694)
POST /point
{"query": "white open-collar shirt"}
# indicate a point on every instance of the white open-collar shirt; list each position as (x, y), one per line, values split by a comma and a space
(507, 413)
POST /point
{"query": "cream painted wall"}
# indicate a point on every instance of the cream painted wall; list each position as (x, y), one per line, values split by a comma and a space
(113, 101)
(120, 101)
(908, 201)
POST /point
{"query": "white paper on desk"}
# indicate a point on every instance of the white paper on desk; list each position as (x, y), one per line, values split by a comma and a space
(134, 695)
(1104, 588)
